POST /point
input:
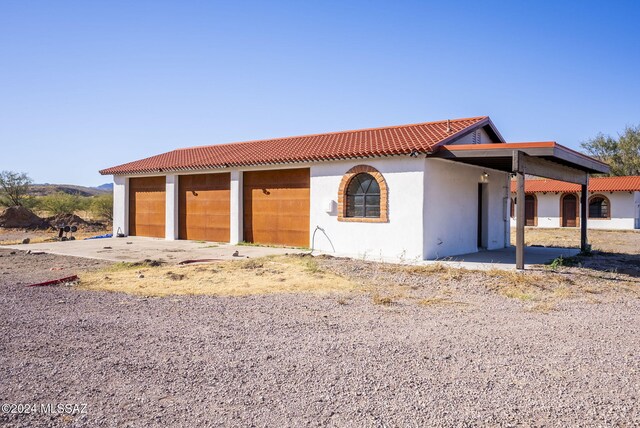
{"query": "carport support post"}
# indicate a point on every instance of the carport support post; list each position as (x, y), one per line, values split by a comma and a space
(583, 218)
(520, 198)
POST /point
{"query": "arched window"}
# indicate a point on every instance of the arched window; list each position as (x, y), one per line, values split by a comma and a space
(599, 207)
(363, 196)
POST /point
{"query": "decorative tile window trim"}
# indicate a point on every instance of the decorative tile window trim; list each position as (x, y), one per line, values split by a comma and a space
(342, 195)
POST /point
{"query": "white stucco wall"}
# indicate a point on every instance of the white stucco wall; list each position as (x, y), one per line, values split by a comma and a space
(637, 215)
(432, 209)
(624, 211)
(451, 207)
(548, 209)
(400, 238)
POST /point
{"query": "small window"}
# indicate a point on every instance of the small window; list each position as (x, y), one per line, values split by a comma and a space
(363, 197)
(598, 207)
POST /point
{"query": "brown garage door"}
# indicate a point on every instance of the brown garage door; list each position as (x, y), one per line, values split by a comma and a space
(276, 207)
(204, 204)
(147, 206)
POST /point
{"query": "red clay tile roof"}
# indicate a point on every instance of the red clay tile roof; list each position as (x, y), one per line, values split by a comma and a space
(375, 142)
(596, 184)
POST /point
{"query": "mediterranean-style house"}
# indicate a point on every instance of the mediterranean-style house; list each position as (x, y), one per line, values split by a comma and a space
(614, 203)
(420, 191)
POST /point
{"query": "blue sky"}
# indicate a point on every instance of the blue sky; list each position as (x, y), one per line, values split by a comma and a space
(86, 85)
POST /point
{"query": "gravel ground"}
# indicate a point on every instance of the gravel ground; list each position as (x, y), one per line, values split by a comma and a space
(12, 236)
(309, 360)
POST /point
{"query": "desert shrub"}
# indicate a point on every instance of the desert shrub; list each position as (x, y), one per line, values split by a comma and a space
(30, 202)
(556, 263)
(102, 207)
(63, 203)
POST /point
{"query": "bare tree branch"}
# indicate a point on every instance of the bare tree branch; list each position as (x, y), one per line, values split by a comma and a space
(14, 186)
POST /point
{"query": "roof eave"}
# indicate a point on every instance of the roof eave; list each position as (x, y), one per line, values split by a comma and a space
(250, 164)
(549, 150)
(591, 165)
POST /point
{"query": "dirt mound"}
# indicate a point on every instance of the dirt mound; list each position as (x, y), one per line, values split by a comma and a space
(21, 217)
(67, 220)
(74, 220)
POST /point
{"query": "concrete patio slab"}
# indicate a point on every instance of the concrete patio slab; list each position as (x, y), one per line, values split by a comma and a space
(505, 258)
(134, 249)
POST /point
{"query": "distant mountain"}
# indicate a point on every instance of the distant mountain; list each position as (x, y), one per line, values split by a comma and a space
(107, 187)
(72, 189)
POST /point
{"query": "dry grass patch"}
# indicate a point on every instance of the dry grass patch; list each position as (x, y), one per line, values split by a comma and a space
(616, 241)
(35, 240)
(540, 290)
(278, 274)
(530, 286)
(544, 290)
(378, 299)
(442, 270)
(436, 301)
(545, 306)
(405, 275)
(422, 269)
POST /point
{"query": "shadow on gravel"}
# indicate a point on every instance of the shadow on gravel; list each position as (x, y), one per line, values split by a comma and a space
(626, 264)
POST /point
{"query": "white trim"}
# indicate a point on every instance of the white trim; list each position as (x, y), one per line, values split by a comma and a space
(236, 215)
(120, 205)
(171, 214)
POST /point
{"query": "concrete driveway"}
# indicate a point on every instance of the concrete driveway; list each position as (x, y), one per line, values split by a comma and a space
(134, 249)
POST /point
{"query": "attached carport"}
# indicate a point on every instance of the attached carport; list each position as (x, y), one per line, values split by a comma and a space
(541, 159)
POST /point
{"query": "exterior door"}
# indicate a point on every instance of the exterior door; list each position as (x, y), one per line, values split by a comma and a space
(483, 216)
(529, 210)
(569, 211)
(204, 202)
(147, 206)
(276, 207)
